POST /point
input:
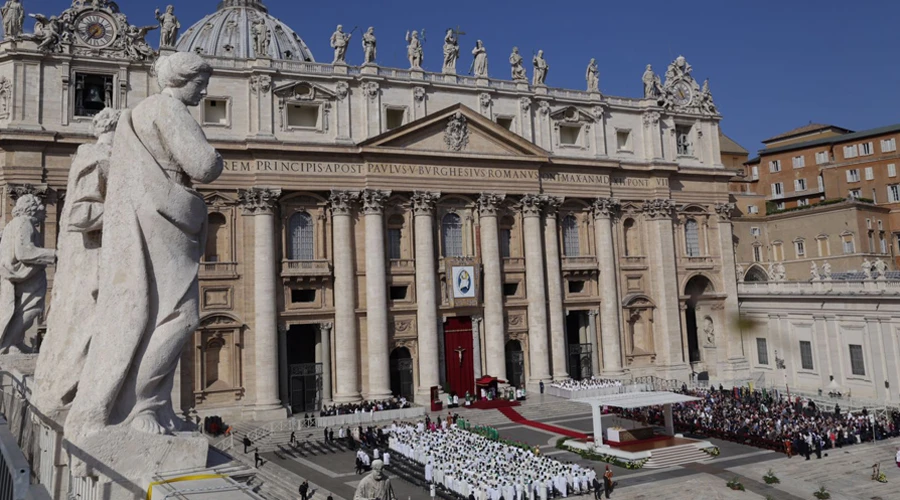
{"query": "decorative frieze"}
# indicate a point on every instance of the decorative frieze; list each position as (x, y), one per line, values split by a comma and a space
(488, 203)
(423, 202)
(258, 200)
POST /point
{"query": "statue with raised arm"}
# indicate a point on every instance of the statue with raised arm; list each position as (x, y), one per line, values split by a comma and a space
(168, 27)
(368, 43)
(414, 51)
(23, 281)
(814, 272)
(518, 68)
(13, 18)
(75, 288)
(592, 75)
(540, 69)
(154, 232)
(650, 83)
(375, 486)
(339, 41)
(480, 63)
(451, 52)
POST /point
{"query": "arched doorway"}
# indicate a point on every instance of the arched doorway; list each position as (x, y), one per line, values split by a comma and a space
(696, 287)
(402, 373)
(756, 273)
(515, 363)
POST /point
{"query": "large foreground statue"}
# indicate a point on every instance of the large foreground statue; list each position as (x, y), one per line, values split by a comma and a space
(23, 282)
(154, 230)
(76, 289)
(375, 486)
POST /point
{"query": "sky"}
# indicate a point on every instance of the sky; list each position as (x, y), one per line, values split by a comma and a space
(772, 65)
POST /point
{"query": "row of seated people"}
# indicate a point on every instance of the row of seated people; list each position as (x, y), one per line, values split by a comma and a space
(394, 403)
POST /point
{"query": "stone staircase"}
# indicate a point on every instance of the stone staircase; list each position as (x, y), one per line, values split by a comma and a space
(676, 455)
(274, 482)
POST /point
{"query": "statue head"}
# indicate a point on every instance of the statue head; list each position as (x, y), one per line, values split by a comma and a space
(593, 61)
(415, 34)
(649, 68)
(378, 470)
(170, 9)
(105, 122)
(478, 43)
(540, 53)
(340, 28)
(515, 50)
(371, 29)
(184, 75)
(29, 205)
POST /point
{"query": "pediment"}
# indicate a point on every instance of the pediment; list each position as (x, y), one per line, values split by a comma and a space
(217, 199)
(456, 130)
(571, 114)
(300, 90)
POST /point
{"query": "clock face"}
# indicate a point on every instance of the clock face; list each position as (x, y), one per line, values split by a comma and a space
(95, 30)
(682, 94)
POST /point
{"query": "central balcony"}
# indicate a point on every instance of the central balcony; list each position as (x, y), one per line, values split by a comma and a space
(581, 263)
(304, 268)
(220, 270)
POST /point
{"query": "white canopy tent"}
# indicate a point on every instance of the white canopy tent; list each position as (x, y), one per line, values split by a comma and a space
(635, 400)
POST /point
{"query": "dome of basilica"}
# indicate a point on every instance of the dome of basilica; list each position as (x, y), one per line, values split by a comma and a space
(229, 32)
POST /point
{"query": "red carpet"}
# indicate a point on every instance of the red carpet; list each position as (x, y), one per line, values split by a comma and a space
(495, 404)
(516, 417)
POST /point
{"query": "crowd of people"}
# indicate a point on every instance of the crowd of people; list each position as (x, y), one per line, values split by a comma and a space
(770, 420)
(587, 383)
(473, 466)
(364, 407)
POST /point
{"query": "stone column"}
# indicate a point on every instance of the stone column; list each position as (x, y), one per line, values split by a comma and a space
(346, 327)
(476, 345)
(376, 296)
(494, 322)
(283, 369)
(592, 332)
(610, 325)
(534, 285)
(261, 204)
(731, 336)
(426, 295)
(325, 334)
(667, 317)
(554, 289)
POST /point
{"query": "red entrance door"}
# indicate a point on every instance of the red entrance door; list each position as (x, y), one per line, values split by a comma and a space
(458, 355)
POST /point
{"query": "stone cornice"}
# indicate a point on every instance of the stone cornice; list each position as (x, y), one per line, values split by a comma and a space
(258, 200)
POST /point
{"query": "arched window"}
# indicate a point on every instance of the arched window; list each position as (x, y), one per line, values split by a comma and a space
(395, 237)
(571, 245)
(301, 242)
(216, 239)
(451, 236)
(692, 238)
(631, 239)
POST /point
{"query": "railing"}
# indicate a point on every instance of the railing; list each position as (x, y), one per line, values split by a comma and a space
(831, 287)
(291, 424)
(703, 261)
(372, 416)
(403, 74)
(14, 469)
(304, 67)
(218, 269)
(305, 268)
(568, 93)
(502, 84)
(579, 263)
(600, 391)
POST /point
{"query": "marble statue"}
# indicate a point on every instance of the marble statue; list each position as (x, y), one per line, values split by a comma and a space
(339, 41)
(867, 268)
(262, 37)
(650, 83)
(592, 75)
(826, 270)
(75, 289)
(23, 282)
(709, 330)
(168, 27)
(136, 47)
(49, 32)
(776, 271)
(375, 486)
(540, 69)
(451, 52)
(480, 61)
(880, 268)
(678, 69)
(739, 272)
(414, 51)
(814, 272)
(13, 18)
(706, 99)
(518, 69)
(368, 43)
(154, 233)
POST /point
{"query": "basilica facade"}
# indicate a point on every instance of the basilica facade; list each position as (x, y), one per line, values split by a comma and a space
(384, 231)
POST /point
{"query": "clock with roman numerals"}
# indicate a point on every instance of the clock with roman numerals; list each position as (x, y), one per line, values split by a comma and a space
(95, 29)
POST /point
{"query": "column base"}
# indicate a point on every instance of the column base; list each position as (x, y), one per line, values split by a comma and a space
(612, 373)
(265, 412)
(560, 376)
(423, 397)
(379, 396)
(346, 398)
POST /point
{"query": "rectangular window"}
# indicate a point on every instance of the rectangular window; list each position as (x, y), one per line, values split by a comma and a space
(892, 170)
(893, 193)
(823, 246)
(777, 252)
(757, 254)
(802, 202)
(848, 243)
(623, 140)
(882, 242)
(215, 111)
(868, 223)
(569, 135)
(510, 289)
(821, 182)
(762, 353)
(806, 357)
(821, 157)
(799, 184)
(505, 239)
(800, 249)
(303, 116)
(393, 117)
(754, 172)
(853, 175)
(398, 292)
(754, 231)
(683, 140)
(869, 174)
(394, 239)
(798, 162)
(505, 122)
(777, 190)
(865, 149)
(303, 296)
(880, 225)
(92, 93)
(857, 365)
(855, 194)
(850, 151)
(752, 209)
(871, 242)
(576, 286)
(888, 145)
(775, 166)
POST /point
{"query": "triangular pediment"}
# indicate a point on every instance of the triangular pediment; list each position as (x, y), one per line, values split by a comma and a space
(216, 199)
(457, 129)
(300, 90)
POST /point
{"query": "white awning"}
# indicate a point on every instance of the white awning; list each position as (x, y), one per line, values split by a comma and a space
(638, 399)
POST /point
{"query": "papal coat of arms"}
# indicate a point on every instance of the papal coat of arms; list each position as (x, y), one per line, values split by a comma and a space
(456, 135)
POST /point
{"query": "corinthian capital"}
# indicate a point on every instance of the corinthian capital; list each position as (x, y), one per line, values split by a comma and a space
(423, 202)
(258, 200)
(342, 201)
(488, 204)
(373, 201)
(724, 210)
(605, 208)
(552, 204)
(658, 208)
(531, 205)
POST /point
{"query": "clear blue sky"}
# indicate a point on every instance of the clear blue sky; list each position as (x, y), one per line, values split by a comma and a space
(772, 65)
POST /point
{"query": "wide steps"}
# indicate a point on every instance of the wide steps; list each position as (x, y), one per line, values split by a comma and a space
(275, 482)
(676, 455)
